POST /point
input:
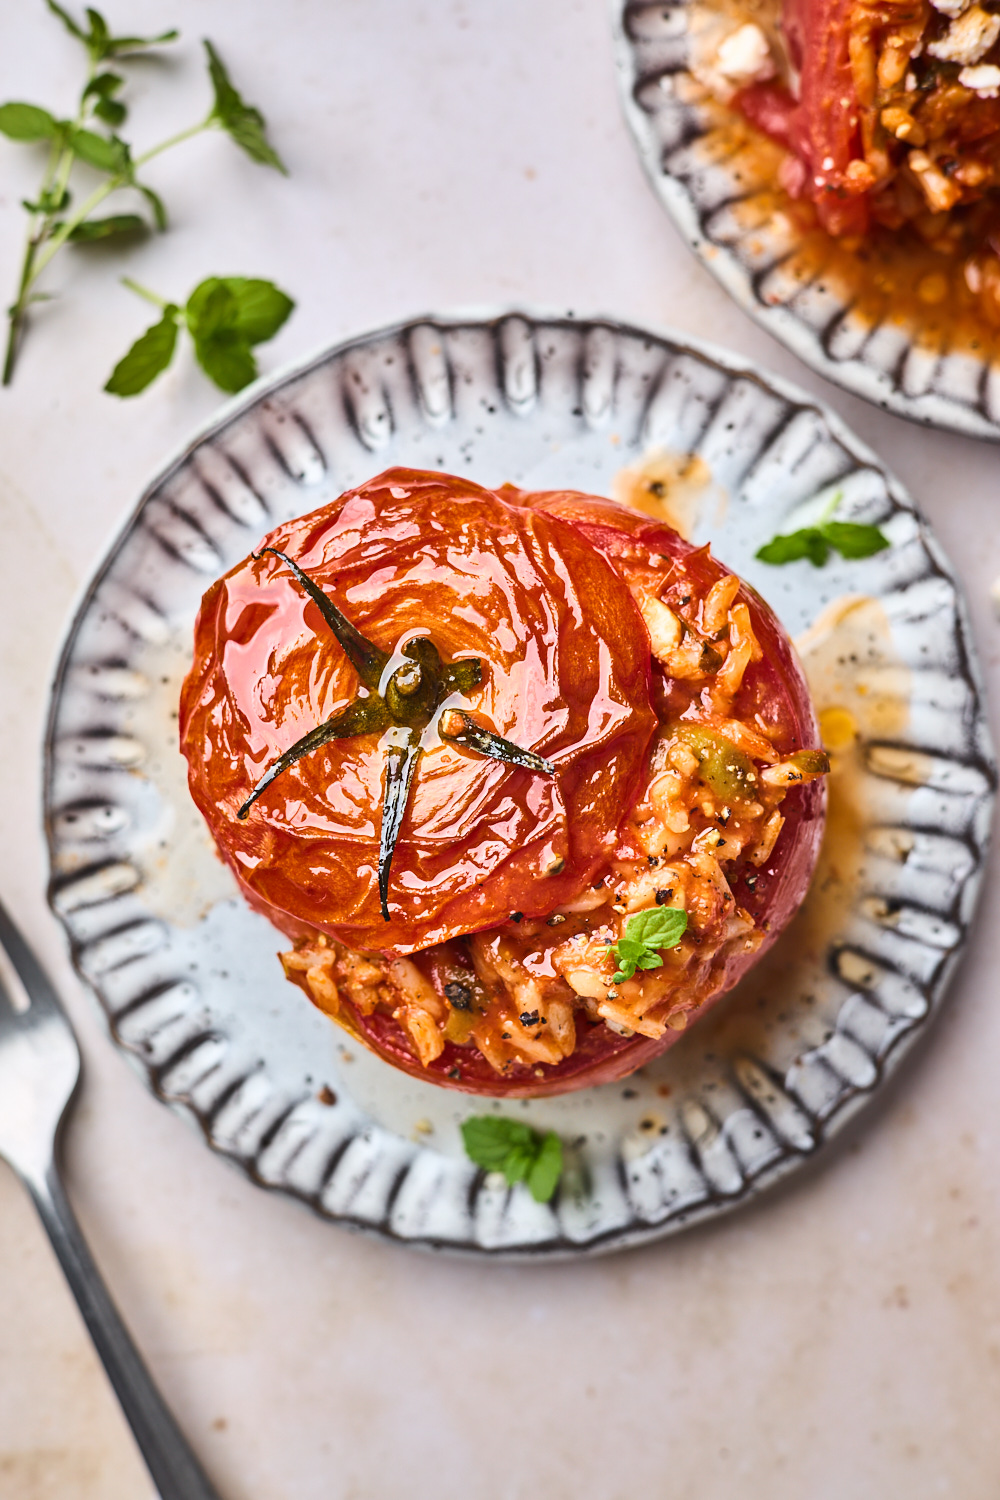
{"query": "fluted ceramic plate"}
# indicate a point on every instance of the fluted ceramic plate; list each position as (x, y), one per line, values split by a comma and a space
(719, 190)
(187, 975)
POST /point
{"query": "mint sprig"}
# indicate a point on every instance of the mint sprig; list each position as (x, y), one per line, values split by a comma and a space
(226, 316)
(645, 936)
(244, 123)
(522, 1154)
(852, 539)
(91, 136)
(98, 39)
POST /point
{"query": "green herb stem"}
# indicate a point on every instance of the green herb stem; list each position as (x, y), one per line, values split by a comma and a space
(208, 123)
(143, 291)
(36, 233)
(54, 182)
(105, 189)
(15, 315)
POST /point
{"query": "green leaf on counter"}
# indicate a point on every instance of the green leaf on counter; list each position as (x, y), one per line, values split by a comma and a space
(148, 357)
(242, 121)
(227, 360)
(27, 122)
(226, 316)
(92, 230)
(67, 20)
(155, 202)
(254, 309)
(99, 41)
(102, 90)
(106, 153)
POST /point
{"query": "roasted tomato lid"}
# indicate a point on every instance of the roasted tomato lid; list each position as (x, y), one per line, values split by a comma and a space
(421, 681)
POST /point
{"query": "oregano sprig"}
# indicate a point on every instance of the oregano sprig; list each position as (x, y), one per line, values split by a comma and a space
(91, 136)
(226, 316)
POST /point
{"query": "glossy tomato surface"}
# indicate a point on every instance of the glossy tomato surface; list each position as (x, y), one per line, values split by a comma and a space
(566, 673)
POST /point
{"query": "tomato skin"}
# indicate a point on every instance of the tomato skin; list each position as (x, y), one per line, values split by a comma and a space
(774, 687)
(822, 126)
(411, 552)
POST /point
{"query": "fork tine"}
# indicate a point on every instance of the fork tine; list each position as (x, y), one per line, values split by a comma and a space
(27, 968)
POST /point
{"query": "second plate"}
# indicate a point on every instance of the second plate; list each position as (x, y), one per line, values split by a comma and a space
(720, 192)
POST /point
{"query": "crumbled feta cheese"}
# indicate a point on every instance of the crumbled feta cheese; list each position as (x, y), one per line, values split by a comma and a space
(983, 80)
(724, 62)
(968, 38)
(745, 56)
(951, 8)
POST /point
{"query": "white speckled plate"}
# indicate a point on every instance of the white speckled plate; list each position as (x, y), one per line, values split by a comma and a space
(715, 188)
(187, 976)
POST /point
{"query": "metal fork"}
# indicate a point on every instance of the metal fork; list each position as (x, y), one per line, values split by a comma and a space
(39, 1071)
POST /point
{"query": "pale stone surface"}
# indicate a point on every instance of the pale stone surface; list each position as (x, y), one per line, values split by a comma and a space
(840, 1338)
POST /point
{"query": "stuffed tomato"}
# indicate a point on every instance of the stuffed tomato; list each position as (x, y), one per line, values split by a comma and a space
(528, 781)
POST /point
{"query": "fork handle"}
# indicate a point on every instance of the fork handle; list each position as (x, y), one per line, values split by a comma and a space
(176, 1472)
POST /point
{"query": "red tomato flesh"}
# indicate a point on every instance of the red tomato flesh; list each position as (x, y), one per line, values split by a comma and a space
(822, 126)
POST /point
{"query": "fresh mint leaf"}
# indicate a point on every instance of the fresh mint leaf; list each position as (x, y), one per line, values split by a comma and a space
(522, 1154)
(227, 359)
(850, 538)
(210, 309)
(226, 315)
(261, 308)
(92, 230)
(853, 540)
(106, 153)
(104, 84)
(148, 357)
(254, 309)
(27, 122)
(50, 202)
(111, 111)
(808, 543)
(546, 1170)
(242, 121)
(646, 933)
(99, 36)
(99, 41)
(117, 46)
(102, 89)
(67, 20)
(489, 1140)
(155, 202)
